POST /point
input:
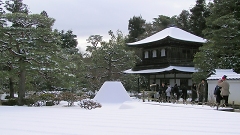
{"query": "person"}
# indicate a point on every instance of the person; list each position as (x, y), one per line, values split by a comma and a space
(217, 94)
(184, 93)
(176, 91)
(194, 92)
(201, 91)
(162, 92)
(225, 88)
(157, 88)
(153, 88)
(168, 93)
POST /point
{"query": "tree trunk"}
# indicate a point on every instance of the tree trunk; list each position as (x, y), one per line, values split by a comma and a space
(109, 71)
(11, 87)
(22, 79)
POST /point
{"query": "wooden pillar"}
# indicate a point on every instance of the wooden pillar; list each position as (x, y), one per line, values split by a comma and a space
(175, 78)
(138, 85)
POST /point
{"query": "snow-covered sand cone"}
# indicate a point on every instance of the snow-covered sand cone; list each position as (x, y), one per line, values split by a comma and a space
(112, 92)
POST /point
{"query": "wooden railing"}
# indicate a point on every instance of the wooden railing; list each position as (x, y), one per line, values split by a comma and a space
(165, 60)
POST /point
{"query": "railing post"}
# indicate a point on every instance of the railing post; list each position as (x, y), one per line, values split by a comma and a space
(143, 96)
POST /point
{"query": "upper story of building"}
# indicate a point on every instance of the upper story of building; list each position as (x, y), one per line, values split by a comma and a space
(169, 47)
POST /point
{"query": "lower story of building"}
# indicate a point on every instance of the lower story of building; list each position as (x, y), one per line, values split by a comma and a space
(171, 75)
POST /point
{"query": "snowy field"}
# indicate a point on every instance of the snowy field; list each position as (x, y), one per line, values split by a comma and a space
(129, 118)
(119, 115)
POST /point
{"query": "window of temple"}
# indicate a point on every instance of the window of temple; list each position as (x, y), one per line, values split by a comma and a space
(186, 53)
(146, 54)
(163, 52)
(154, 53)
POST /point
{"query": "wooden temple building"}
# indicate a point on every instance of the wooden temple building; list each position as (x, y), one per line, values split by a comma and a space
(167, 56)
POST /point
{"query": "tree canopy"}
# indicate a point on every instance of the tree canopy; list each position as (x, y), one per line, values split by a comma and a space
(222, 32)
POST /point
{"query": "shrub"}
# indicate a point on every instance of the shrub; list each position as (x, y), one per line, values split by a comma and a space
(49, 103)
(28, 101)
(7, 97)
(89, 104)
(47, 96)
(57, 100)
(10, 102)
(69, 97)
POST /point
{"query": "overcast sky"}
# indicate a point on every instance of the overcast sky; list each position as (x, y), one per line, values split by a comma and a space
(97, 17)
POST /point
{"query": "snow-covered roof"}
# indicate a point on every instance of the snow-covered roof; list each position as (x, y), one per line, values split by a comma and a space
(183, 69)
(172, 32)
(221, 72)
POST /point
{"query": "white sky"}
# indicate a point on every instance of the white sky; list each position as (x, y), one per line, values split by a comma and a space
(126, 118)
(97, 17)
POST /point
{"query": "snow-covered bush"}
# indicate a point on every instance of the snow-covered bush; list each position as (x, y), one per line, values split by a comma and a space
(89, 104)
(69, 97)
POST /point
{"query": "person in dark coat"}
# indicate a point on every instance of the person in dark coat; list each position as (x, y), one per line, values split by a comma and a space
(184, 93)
(162, 92)
(201, 91)
(176, 91)
(217, 94)
(194, 92)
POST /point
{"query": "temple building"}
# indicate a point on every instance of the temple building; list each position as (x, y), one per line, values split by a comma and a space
(167, 56)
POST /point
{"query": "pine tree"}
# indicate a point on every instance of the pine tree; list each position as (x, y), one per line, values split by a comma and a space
(222, 32)
(109, 60)
(13, 6)
(29, 46)
(135, 28)
(16, 6)
(183, 20)
(198, 18)
(1, 13)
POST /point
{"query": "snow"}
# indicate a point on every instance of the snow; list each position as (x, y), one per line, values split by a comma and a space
(220, 72)
(172, 32)
(128, 118)
(184, 69)
(112, 92)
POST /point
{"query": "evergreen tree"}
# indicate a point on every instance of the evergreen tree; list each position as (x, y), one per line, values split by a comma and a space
(29, 46)
(69, 40)
(13, 6)
(95, 40)
(162, 22)
(237, 10)
(182, 20)
(1, 13)
(198, 18)
(135, 28)
(16, 6)
(109, 60)
(73, 74)
(222, 32)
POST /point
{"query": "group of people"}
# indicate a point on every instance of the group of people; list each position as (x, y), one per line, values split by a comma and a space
(221, 91)
(166, 92)
(199, 91)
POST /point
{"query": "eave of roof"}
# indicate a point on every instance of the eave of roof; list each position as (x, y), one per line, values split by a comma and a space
(172, 32)
(178, 68)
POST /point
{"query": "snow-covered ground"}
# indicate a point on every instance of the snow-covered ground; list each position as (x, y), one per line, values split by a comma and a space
(128, 118)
